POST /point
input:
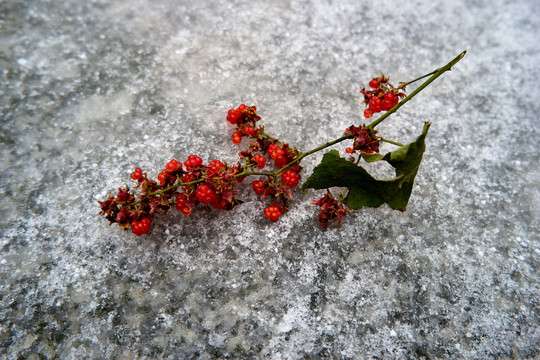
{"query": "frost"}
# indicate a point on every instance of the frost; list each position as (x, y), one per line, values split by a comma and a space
(91, 90)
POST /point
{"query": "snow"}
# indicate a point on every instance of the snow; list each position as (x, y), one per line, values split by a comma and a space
(91, 90)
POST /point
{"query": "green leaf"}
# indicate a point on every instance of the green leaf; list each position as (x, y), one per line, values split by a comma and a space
(372, 157)
(365, 190)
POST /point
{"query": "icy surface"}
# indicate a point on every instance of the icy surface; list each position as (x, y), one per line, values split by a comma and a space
(91, 89)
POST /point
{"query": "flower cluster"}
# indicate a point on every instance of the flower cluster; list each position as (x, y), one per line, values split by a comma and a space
(331, 210)
(364, 139)
(383, 97)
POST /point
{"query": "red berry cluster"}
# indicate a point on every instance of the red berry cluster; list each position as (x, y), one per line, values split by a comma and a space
(207, 184)
(331, 210)
(245, 119)
(364, 139)
(383, 97)
(186, 185)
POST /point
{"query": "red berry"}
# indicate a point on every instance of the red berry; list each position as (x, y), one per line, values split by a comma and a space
(173, 165)
(220, 204)
(205, 194)
(375, 104)
(349, 150)
(272, 212)
(281, 161)
(137, 174)
(142, 226)
(236, 137)
(387, 105)
(274, 150)
(192, 161)
(258, 187)
(216, 164)
(249, 130)
(241, 108)
(162, 177)
(260, 160)
(290, 178)
(368, 113)
(375, 82)
(232, 116)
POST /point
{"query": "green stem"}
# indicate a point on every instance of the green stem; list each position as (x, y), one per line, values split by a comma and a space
(435, 75)
(391, 142)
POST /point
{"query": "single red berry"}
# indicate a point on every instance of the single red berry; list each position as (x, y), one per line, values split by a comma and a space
(217, 164)
(249, 130)
(137, 174)
(232, 116)
(220, 204)
(387, 105)
(141, 226)
(173, 165)
(260, 160)
(236, 137)
(274, 150)
(349, 150)
(205, 194)
(162, 177)
(183, 205)
(290, 178)
(241, 108)
(368, 113)
(272, 212)
(258, 186)
(281, 161)
(375, 82)
(193, 161)
(375, 104)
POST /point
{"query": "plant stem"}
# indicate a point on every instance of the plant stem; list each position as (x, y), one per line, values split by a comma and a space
(435, 75)
(392, 142)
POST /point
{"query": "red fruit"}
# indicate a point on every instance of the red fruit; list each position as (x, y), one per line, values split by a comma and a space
(272, 212)
(142, 226)
(290, 178)
(281, 161)
(258, 187)
(236, 137)
(241, 108)
(260, 160)
(137, 174)
(192, 161)
(368, 113)
(232, 116)
(205, 194)
(274, 150)
(220, 204)
(349, 150)
(375, 82)
(375, 104)
(173, 165)
(249, 130)
(162, 177)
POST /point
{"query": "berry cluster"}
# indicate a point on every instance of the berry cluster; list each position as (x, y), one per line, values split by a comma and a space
(186, 185)
(207, 184)
(383, 97)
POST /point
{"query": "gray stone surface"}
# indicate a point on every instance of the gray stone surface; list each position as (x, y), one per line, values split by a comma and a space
(91, 89)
